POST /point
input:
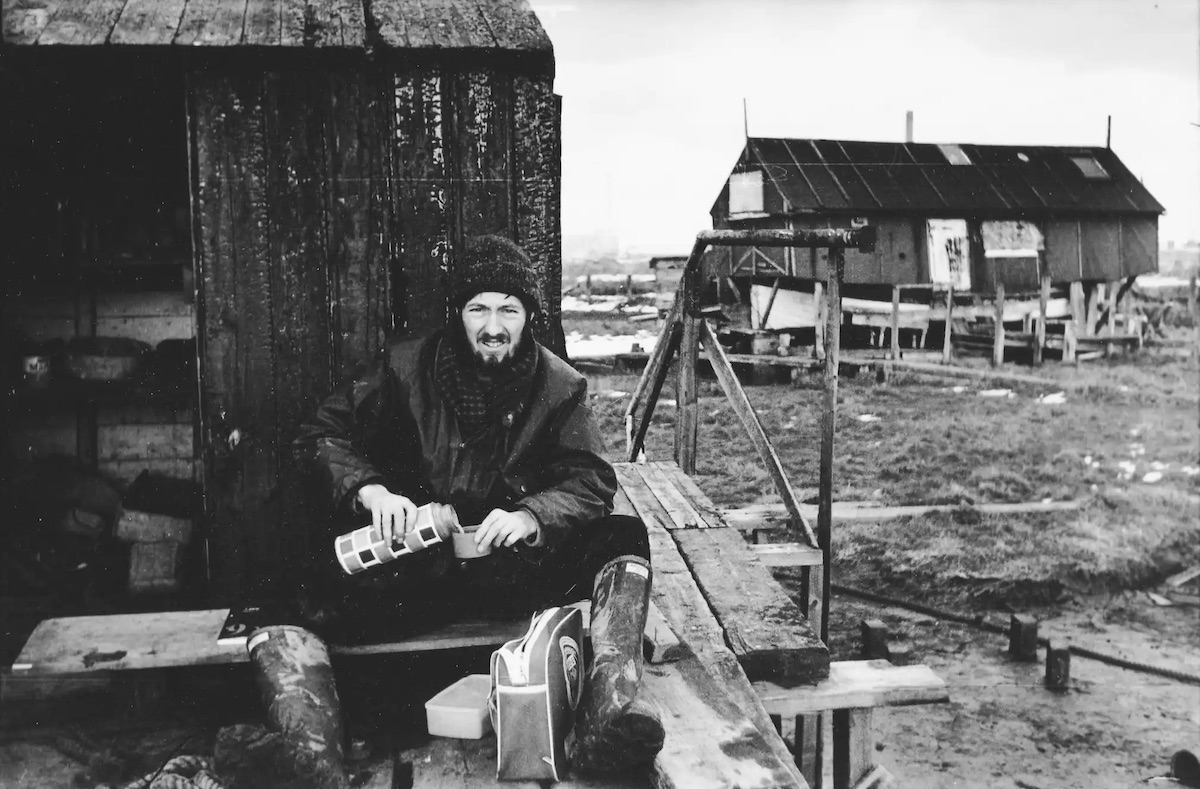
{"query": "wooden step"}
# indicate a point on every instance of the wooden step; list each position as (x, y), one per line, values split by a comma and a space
(856, 684)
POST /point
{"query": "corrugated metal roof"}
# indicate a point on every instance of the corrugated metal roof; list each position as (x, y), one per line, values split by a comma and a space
(347, 24)
(844, 175)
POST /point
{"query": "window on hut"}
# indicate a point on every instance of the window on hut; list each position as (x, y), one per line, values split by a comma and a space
(1090, 167)
(746, 193)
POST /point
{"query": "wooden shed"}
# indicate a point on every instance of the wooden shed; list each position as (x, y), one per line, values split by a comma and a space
(274, 184)
(968, 215)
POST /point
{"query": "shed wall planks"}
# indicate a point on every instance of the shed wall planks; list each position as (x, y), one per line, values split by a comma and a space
(299, 112)
(1062, 251)
(420, 193)
(536, 167)
(1139, 246)
(482, 122)
(1101, 249)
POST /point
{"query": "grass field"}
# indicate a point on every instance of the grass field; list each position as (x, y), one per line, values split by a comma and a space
(1130, 456)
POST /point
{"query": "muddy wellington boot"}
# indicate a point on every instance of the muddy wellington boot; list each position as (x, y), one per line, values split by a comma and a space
(617, 729)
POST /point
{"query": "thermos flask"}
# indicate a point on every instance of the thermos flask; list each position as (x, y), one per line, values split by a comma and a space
(365, 547)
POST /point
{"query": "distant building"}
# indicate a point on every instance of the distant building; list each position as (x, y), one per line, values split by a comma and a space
(1181, 260)
(971, 216)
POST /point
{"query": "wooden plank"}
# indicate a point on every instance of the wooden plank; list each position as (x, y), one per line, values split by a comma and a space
(895, 327)
(787, 554)
(655, 374)
(81, 23)
(709, 742)
(857, 684)
(1039, 345)
(998, 332)
(335, 23)
(514, 25)
(537, 169)
(126, 471)
(745, 411)
(481, 129)
(697, 499)
(947, 346)
(127, 442)
(420, 197)
(853, 747)
(662, 645)
(763, 627)
(151, 22)
(679, 511)
(213, 23)
(24, 21)
(774, 516)
(361, 131)
(679, 598)
(238, 408)
(687, 412)
(299, 113)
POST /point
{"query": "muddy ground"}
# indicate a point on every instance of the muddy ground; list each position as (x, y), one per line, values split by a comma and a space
(1122, 441)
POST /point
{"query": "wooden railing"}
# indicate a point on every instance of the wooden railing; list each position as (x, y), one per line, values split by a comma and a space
(686, 330)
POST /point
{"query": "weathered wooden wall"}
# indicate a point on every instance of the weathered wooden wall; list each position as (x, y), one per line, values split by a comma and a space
(329, 204)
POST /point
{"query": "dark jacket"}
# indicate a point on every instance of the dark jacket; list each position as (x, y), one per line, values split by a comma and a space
(390, 426)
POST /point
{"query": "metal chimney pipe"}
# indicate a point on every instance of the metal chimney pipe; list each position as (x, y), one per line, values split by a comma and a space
(908, 127)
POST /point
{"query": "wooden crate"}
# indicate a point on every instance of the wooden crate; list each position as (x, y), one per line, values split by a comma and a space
(155, 566)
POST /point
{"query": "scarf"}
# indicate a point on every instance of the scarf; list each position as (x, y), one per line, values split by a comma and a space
(480, 397)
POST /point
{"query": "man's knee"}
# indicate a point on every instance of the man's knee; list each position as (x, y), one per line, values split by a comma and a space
(625, 536)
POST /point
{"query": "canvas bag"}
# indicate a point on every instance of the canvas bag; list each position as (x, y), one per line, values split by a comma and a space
(537, 681)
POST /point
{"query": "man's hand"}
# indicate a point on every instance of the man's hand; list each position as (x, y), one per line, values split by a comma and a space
(392, 513)
(501, 527)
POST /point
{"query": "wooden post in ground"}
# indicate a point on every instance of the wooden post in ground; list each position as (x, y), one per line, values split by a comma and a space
(819, 326)
(1023, 638)
(1058, 667)
(833, 321)
(895, 322)
(687, 412)
(1112, 316)
(1039, 340)
(853, 746)
(1070, 343)
(998, 340)
(1092, 321)
(946, 347)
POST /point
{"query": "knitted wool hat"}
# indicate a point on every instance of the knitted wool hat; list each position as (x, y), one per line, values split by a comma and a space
(494, 264)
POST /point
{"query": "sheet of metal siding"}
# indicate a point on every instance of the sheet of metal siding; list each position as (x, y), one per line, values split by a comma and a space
(780, 175)
(1062, 251)
(1100, 239)
(1126, 190)
(1139, 245)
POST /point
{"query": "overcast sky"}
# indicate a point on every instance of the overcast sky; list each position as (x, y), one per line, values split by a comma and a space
(652, 92)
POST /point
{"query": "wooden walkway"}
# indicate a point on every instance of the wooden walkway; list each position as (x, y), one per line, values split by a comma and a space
(744, 653)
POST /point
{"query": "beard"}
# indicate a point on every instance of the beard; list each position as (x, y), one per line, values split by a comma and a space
(490, 365)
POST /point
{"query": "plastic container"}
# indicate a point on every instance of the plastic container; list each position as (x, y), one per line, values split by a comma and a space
(461, 710)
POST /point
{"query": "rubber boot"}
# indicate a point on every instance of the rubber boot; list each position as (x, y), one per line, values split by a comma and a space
(617, 729)
(295, 681)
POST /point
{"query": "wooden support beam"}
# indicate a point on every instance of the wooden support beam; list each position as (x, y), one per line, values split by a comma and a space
(766, 313)
(773, 516)
(819, 328)
(1092, 321)
(1039, 345)
(947, 348)
(787, 554)
(1070, 342)
(687, 412)
(833, 332)
(895, 322)
(649, 386)
(853, 746)
(745, 411)
(1111, 310)
(998, 338)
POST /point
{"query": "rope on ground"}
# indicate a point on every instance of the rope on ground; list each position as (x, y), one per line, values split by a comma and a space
(980, 623)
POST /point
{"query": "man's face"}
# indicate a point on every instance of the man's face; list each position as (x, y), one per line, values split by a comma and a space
(493, 323)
